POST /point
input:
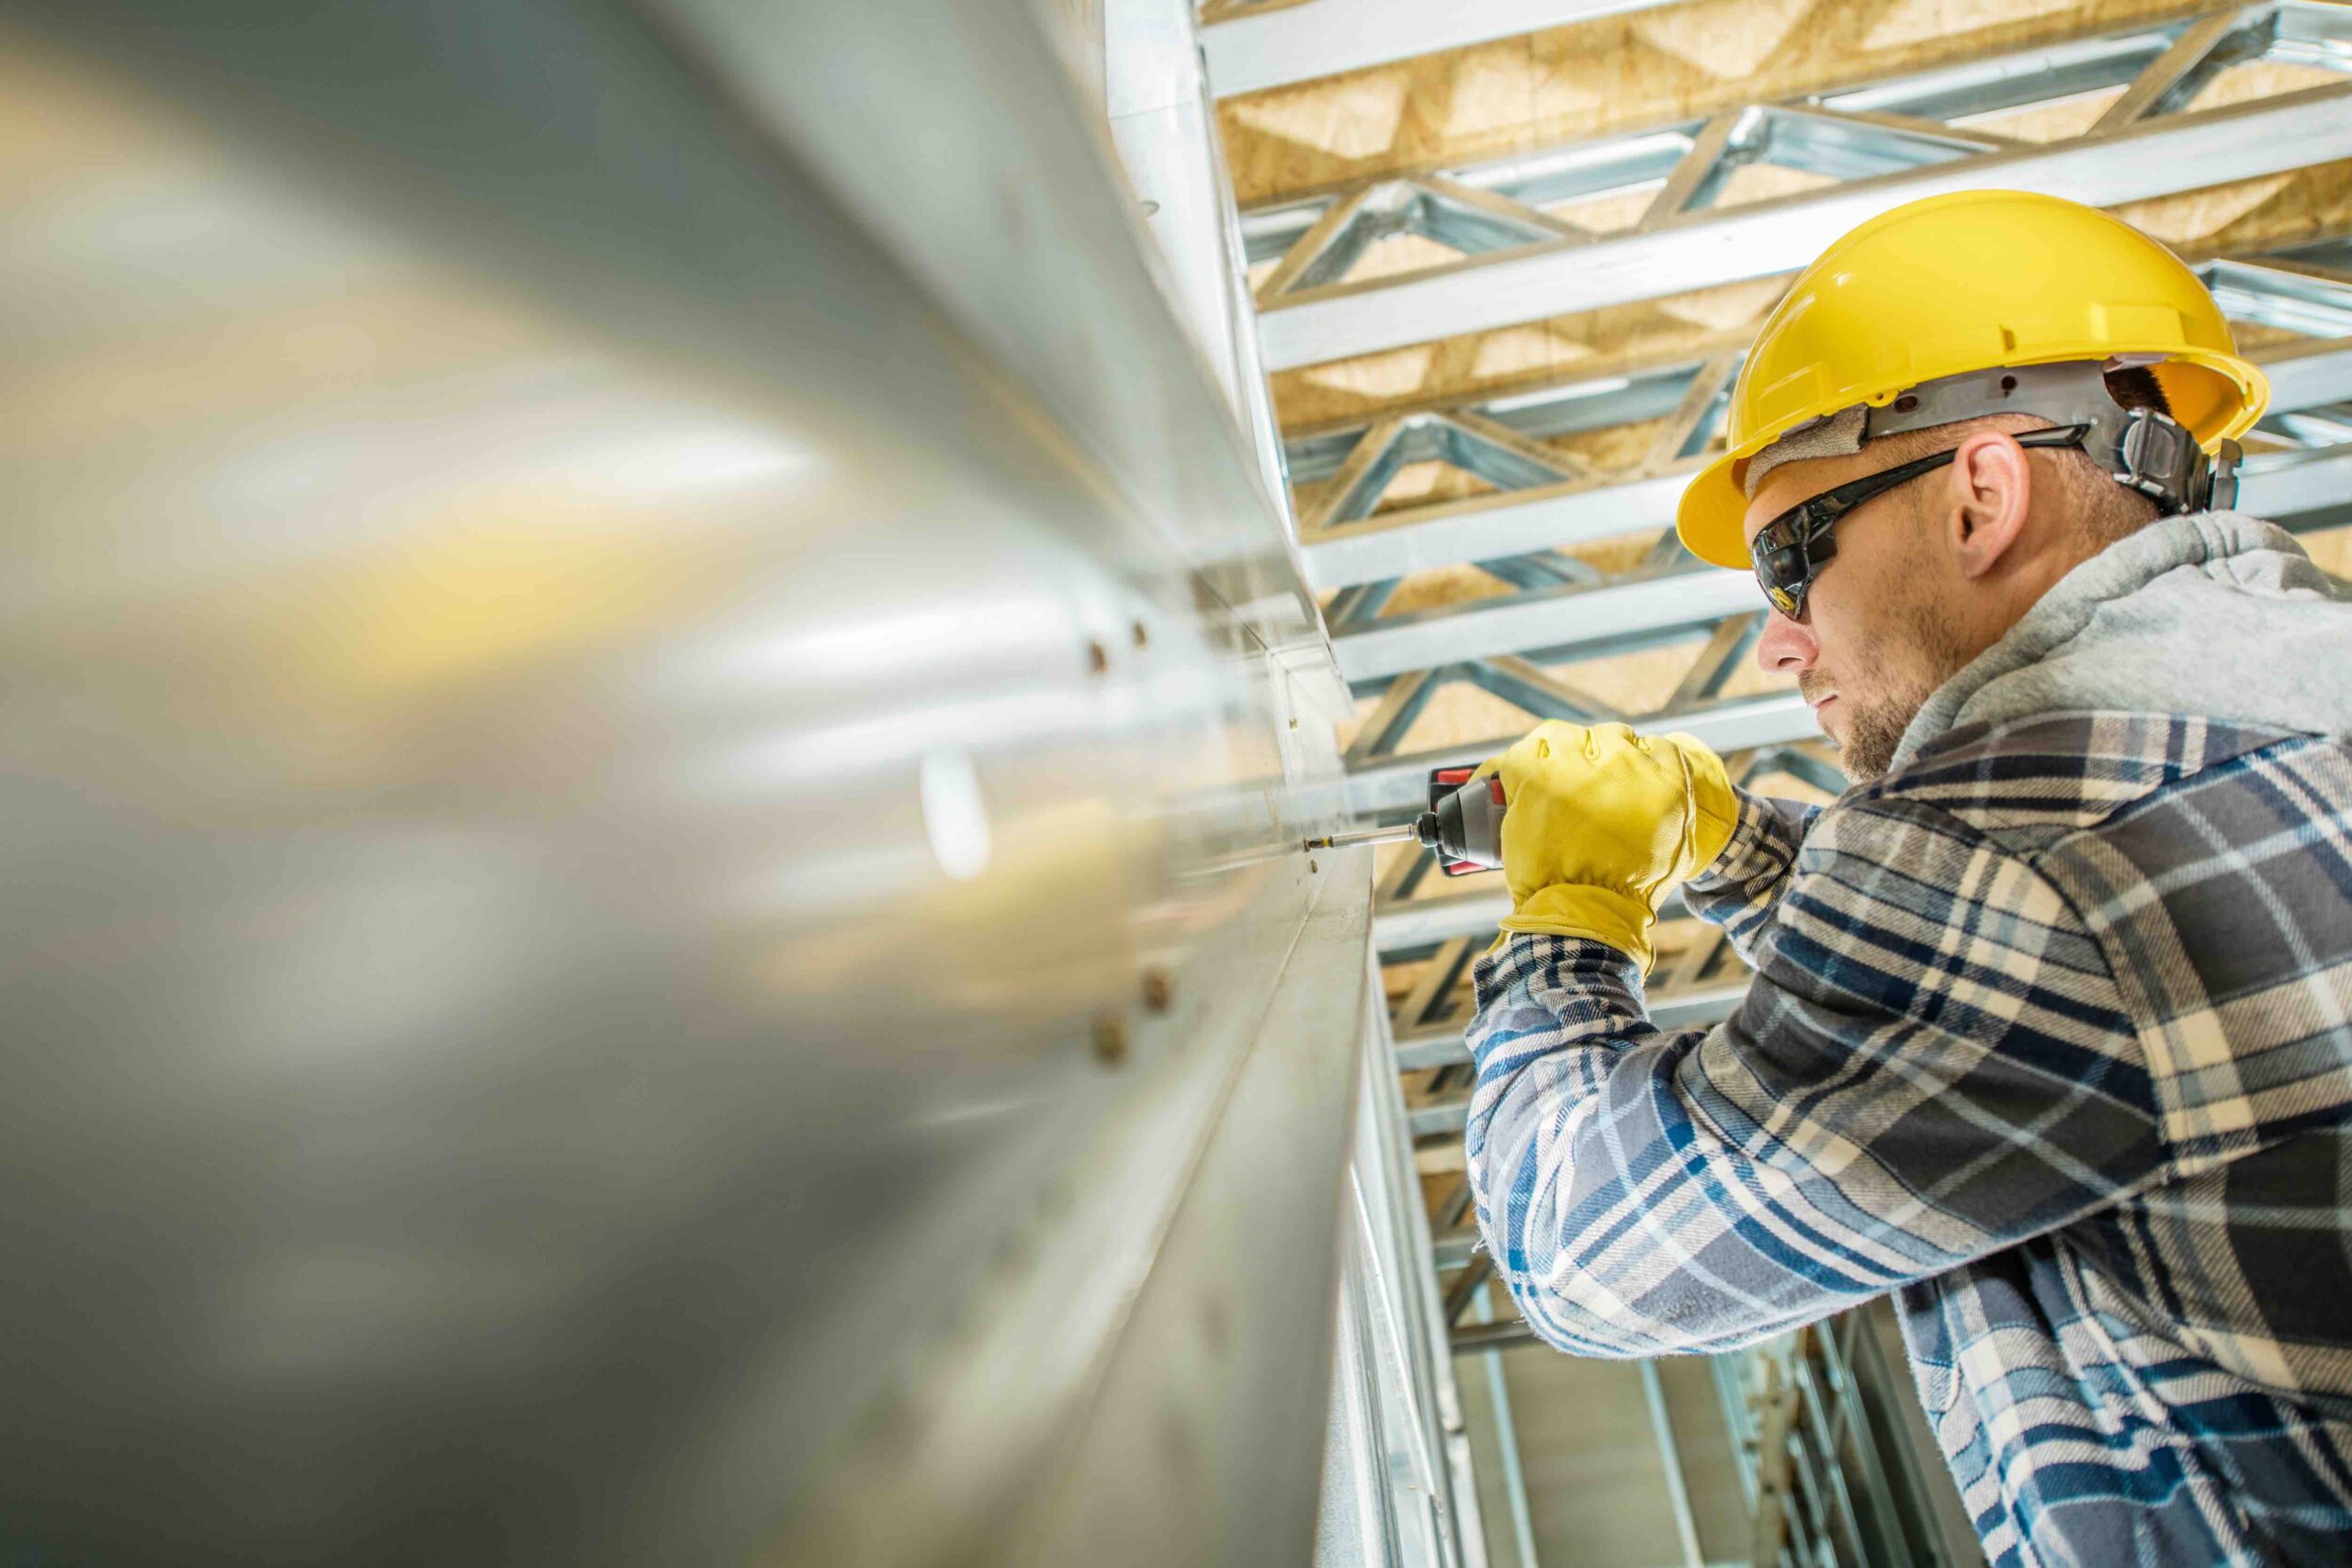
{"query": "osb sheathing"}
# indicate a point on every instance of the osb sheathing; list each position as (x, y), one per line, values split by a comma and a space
(1612, 73)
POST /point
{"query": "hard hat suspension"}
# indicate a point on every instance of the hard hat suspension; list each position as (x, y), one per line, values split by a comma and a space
(2142, 450)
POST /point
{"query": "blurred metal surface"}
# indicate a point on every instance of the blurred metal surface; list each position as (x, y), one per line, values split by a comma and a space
(652, 724)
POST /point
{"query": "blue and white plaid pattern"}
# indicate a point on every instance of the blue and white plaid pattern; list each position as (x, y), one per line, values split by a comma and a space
(2052, 1034)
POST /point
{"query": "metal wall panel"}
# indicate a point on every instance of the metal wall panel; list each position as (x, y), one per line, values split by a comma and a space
(646, 836)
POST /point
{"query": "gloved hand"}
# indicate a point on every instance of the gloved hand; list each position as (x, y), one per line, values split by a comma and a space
(1600, 824)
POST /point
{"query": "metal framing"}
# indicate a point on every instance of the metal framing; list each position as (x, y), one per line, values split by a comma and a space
(1883, 145)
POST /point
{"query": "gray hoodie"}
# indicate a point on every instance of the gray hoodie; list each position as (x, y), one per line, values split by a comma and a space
(2217, 614)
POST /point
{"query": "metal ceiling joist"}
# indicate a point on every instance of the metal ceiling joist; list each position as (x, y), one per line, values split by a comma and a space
(1704, 249)
(1682, 595)
(2301, 492)
(1420, 921)
(1488, 527)
(1277, 46)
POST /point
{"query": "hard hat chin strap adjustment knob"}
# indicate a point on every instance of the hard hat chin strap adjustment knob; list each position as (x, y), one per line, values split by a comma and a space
(2221, 485)
(2154, 455)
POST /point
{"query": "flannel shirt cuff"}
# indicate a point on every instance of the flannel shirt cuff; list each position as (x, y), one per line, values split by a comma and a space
(1562, 990)
(1755, 849)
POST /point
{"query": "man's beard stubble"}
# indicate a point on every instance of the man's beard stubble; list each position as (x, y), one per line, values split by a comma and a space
(1914, 653)
(1873, 732)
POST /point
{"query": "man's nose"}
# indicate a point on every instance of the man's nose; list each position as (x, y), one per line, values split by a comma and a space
(1785, 648)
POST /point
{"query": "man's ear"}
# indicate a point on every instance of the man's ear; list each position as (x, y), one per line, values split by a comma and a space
(1987, 494)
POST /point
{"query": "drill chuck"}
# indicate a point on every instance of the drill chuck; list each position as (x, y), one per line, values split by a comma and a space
(1463, 827)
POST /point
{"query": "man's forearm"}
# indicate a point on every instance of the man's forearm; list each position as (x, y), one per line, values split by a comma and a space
(1583, 1229)
(1884, 1106)
(1743, 888)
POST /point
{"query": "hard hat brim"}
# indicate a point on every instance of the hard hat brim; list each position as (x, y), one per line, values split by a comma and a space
(1712, 516)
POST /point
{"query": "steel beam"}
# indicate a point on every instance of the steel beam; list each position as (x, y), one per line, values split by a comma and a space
(1452, 1249)
(1434, 1047)
(1489, 527)
(2173, 78)
(1323, 38)
(1439, 1116)
(2308, 374)
(1572, 612)
(2160, 157)
(1502, 1336)
(1420, 921)
(2298, 490)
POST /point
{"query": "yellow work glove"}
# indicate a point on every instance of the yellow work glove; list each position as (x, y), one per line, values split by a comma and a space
(1601, 824)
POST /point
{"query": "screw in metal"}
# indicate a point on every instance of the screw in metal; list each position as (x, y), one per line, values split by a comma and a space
(1158, 989)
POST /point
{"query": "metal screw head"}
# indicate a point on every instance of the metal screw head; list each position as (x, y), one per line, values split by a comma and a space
(1110, 1035)
(1158, 989)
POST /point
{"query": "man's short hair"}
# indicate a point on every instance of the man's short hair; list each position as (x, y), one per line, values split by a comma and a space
(2103, 509)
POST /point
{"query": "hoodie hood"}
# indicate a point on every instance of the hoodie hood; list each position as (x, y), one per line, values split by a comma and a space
(2215, 614)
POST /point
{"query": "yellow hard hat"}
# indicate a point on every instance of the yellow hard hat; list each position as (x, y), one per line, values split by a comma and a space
(1975, 280)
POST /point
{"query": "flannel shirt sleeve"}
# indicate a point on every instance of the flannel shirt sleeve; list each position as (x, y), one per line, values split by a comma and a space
(1743, 888)
(1932, 1064)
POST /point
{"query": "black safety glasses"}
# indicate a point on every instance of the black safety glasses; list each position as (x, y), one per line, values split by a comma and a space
(1791, 550)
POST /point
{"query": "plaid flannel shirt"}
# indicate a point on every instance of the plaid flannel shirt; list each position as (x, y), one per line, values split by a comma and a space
(2050, 1033)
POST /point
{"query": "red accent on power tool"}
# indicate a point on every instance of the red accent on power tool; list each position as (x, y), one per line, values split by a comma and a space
(1460, 776)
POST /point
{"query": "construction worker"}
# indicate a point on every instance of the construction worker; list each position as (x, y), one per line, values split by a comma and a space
(2050, 1030)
